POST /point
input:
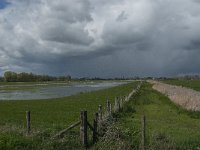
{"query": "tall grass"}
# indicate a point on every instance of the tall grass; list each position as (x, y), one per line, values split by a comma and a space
(168, 126)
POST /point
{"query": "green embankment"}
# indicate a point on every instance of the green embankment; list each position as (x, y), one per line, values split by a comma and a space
(168, 126)
(193, 84)
(49, 117)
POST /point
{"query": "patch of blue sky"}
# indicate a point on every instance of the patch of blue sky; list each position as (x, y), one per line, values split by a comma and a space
(3, 4)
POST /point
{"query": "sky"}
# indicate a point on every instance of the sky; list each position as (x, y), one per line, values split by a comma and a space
(100, 38)
(3, 4)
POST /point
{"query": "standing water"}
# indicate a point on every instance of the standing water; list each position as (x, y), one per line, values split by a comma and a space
(46, 91)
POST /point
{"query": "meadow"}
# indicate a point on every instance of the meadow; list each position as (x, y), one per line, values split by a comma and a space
(193, 84)
(168, 126)
(50, 116)
(30, 86)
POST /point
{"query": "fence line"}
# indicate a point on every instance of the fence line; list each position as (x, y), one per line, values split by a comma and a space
(99, 118)
(28, 121)
(61, 133)
(143, 140)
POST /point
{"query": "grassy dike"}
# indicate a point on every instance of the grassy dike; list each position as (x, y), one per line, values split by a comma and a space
(50, 116)
(169, 127)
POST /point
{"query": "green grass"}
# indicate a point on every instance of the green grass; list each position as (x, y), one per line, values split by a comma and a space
(193, 84)
(32, 86)
(49, 117)
(168, 126)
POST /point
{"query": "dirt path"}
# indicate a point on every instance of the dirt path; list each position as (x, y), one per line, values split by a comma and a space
(185, 97)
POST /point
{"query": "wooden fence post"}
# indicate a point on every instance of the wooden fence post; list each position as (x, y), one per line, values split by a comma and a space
(28, 121)
(143, 142)
(115, 106)
(100, 111)
(95, 127)
(108, 107)
(83, 129)
(118, 104)
(121, 102)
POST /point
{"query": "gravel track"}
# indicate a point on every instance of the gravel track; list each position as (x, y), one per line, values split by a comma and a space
(185, 97)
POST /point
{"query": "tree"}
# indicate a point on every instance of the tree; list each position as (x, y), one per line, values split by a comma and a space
(14, 77)
(1, 79)
(30, 77)
(8, 76)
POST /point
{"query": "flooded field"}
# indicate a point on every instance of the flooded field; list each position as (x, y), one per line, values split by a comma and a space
(47, 91)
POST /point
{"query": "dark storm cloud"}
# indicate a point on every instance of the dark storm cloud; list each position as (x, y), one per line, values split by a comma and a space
(101, 38)
(193, 45)
(59, 33)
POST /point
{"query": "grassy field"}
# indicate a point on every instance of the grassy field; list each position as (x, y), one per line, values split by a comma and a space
(32, 86)
(169, 127)
(27, 86)
(50, 116)
(193, 84)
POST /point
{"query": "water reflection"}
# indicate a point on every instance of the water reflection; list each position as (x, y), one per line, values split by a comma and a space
(53, 91)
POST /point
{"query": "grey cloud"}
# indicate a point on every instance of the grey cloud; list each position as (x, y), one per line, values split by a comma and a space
(122, 16)
(73, 34)
(193, 45)
(77, 10)
(101, 38)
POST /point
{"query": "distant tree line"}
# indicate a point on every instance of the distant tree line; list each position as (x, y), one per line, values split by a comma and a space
(189, 77)
(1, 79)
(10, 76)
